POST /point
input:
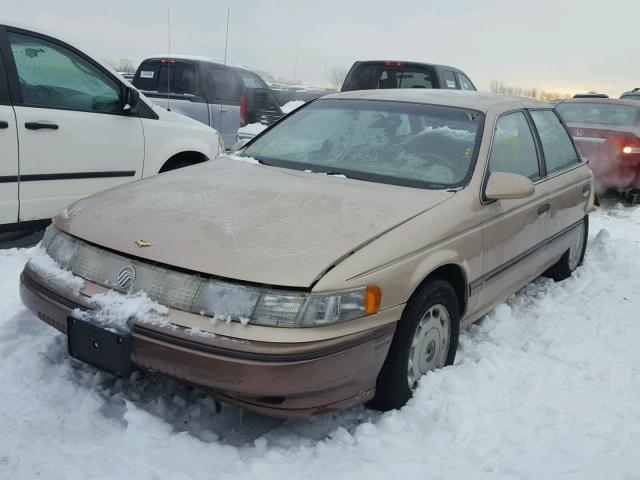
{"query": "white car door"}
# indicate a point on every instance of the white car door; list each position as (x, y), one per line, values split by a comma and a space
(74, 138)
(8, 155)
(8, 166)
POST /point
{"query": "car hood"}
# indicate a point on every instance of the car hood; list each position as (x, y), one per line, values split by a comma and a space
(243, 221)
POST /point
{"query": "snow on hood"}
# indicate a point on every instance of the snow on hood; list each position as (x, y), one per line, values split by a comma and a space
(243, 221)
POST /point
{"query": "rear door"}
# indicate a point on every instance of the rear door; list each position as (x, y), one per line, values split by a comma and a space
(8, 153)
(514, 231)
(176, 85)
(74, 139)
(568, 181)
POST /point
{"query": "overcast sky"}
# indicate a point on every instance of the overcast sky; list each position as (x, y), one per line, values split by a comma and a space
(555, 45)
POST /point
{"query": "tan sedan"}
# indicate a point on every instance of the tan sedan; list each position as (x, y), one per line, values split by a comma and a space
(331, 262)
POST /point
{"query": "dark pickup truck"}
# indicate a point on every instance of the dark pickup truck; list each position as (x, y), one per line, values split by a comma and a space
(373, 74)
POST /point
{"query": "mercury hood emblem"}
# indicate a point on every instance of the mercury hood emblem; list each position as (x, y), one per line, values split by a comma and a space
(126, 277)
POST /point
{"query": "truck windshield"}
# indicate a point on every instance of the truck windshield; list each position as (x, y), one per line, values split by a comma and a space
(400, 143)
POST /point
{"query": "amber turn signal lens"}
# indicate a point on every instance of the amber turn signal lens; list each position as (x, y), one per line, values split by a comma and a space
(372, 301)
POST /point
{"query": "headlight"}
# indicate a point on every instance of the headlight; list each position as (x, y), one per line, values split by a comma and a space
(327, 309)
(286, 309)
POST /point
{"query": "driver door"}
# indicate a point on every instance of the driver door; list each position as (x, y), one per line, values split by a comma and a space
(74, 139)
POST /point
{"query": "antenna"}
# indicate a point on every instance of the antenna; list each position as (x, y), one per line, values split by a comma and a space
(226, 38)
(169, 63)
(226, 43)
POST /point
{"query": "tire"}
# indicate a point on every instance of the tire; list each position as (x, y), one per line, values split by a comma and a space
(392, 387)
(572, 258)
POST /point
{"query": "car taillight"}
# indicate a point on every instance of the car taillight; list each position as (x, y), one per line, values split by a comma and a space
(167, 60)
(243, 110)
(394, 63)
(625, 143)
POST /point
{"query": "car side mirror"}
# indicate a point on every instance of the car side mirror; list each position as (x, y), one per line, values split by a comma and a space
(502, 185)
(131, 101)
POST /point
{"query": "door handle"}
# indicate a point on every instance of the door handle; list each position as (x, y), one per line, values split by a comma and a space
(224, 111)
(586, 189)
(543, 209)
(40, 126)
(4, 124)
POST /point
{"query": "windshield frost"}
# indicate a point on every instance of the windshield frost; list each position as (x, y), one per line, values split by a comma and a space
(388, 142)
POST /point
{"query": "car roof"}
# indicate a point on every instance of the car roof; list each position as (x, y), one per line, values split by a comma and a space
(199, 58)
(614, 101)
(481, 101)
(411, 64)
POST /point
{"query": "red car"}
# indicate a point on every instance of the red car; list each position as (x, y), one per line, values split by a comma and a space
(607, 134)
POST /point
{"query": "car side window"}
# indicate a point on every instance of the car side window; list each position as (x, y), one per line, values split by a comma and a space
(55, 77)
(449, 79)
(181, 78)
(224, 84)
(513, 149)
(465, 83)
(556, 144)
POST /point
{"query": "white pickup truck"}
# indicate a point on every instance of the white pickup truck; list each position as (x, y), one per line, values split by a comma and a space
(71, 127)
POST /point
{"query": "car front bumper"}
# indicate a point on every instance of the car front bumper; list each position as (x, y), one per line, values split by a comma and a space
(278, 379)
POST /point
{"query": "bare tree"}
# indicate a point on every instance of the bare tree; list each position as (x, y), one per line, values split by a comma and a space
(336, 76)
(498, 86)
(125, 65)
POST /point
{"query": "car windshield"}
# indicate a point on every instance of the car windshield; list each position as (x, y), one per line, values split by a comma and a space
(400, 143)
(633, 96)
(598, 113)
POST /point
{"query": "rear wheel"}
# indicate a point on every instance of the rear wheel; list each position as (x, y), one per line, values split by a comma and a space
(426, 338)
(573, 257)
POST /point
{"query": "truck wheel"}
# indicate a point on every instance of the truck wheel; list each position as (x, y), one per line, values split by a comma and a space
(426, 338)
(573, 257)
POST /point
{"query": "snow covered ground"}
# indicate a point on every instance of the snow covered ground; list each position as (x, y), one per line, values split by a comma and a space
(545, 386)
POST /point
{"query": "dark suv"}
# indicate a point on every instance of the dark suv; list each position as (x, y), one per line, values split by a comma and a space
(373, 74)
(225, 97)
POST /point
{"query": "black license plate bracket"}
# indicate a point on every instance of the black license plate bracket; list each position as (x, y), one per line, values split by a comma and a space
(104, 349)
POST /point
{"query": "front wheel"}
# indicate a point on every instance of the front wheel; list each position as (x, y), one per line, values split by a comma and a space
(572, 258)
(426, 338)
